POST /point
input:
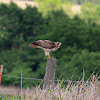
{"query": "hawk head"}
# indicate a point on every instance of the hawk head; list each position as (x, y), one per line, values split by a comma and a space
(58, 44)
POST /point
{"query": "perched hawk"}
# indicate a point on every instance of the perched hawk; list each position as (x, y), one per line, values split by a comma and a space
(46, 45)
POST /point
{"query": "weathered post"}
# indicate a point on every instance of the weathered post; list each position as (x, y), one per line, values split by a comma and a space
(21, 83)
(50, 73)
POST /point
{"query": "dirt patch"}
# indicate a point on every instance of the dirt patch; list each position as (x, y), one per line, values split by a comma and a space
(10, 90)
(76, 8)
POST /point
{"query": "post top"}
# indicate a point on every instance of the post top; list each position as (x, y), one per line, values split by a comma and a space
(1, 65)
(52, 59)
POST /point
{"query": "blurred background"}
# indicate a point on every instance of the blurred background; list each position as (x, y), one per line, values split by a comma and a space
(74, 23)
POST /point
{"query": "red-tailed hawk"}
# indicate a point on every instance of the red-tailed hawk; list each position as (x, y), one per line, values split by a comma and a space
(46, 45)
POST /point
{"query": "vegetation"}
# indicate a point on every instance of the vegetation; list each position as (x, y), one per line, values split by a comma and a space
(3, 97)
(84, 1)
(80, 40)
(90, 13)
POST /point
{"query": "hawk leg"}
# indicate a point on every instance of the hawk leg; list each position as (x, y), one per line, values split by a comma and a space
(49, 57)
(47, 54)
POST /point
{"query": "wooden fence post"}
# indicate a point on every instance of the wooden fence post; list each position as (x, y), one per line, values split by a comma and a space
(50, 73)
(1, 70)
(21, 84)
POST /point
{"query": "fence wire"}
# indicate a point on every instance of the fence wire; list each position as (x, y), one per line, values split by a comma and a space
(22, 77)
(43, 79)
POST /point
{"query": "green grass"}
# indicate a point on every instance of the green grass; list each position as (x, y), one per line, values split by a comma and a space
(7, 97)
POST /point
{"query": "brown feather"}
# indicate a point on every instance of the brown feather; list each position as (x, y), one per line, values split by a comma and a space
(46, 44)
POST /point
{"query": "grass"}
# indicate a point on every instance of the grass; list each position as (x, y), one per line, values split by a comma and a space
(7, 97)
(72, 91)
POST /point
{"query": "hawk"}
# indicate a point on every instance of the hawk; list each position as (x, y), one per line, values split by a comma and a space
(46, 45)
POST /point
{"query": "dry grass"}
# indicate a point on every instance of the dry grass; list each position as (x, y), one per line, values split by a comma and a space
(75, 91)
(72, 91)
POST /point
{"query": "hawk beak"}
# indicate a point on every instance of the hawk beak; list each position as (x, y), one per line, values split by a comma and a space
(31, 45)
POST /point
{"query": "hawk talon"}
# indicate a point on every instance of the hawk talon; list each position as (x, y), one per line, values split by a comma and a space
(49, 57)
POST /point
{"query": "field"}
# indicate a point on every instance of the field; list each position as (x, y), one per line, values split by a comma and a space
(72, 91)
(20, 3)
(23, 4)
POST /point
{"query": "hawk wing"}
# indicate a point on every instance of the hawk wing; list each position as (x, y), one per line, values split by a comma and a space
(46, 44)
